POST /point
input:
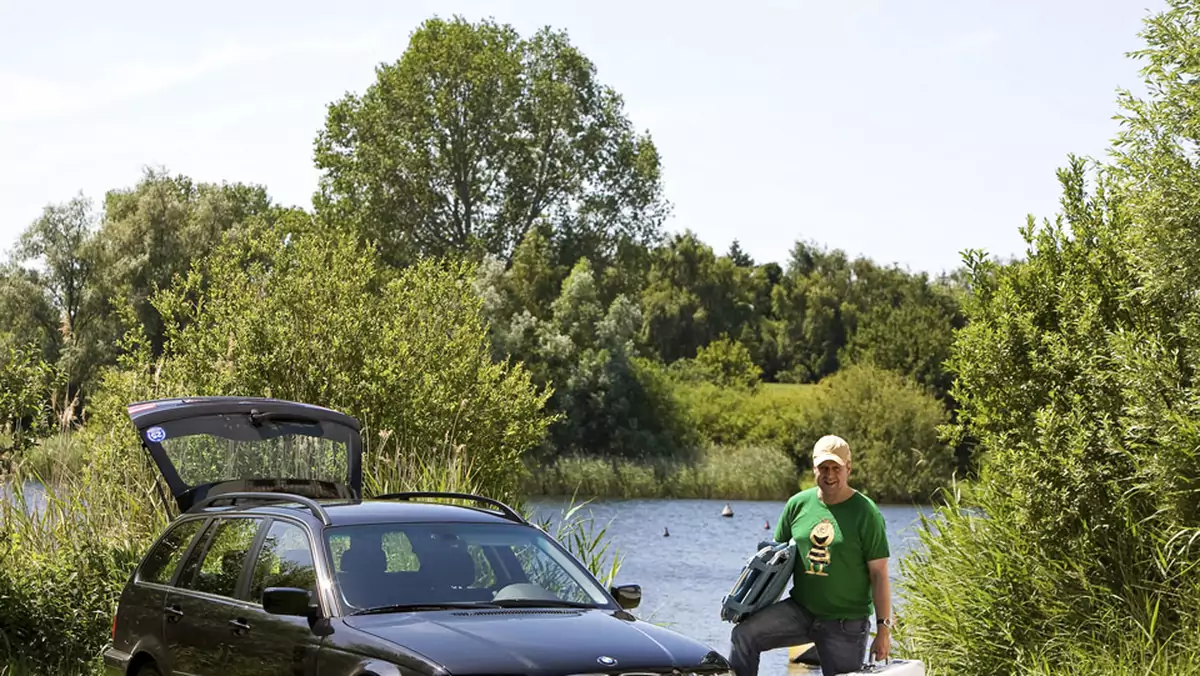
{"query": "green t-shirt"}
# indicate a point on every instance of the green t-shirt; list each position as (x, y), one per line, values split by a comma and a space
(833, 545)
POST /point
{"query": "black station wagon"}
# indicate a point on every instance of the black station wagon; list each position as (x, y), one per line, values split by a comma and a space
(277, 566)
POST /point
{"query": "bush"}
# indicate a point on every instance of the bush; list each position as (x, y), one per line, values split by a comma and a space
(62, 568)
(890, 423)
(314, 318)
(771, 415)
(27, 383)
(723, 362)
(1077, 375)
(306, 318)
(892, 427)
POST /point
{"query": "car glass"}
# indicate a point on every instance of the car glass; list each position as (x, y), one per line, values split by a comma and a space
(285, 560)
(454, 563)
(397, 552)
(222, 564)
(222, 447)
(543, 569)
(192, 563)
(485, 576)
(162, 561)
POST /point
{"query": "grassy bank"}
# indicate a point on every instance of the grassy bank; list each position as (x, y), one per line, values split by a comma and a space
(742, 473)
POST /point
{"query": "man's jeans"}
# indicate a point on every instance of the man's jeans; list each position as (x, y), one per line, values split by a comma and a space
(841, 644)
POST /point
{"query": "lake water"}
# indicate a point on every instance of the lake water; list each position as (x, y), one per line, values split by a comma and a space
(685, 576)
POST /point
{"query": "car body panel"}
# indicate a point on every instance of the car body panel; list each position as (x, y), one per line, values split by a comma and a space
(516, 640)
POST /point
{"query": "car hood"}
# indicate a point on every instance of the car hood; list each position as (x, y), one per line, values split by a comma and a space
(529, 640)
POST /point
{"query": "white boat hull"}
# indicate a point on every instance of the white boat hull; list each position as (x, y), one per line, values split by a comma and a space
(895, 668)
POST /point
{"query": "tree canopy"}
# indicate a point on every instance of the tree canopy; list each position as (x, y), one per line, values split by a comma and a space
(474, 136)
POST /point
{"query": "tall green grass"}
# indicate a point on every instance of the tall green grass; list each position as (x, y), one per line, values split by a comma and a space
(743, 473)
(983, 594)
(62, 567)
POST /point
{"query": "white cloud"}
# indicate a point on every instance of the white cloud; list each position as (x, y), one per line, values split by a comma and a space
(34, 97)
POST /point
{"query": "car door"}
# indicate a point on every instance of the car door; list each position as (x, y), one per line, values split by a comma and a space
(139, 625)
(206, 623)
(282, 645)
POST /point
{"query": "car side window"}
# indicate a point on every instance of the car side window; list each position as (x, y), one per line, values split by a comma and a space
(228, 548)
(285, 560)
(161, 562)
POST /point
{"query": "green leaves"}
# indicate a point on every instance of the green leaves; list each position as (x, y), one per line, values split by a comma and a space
(475, 135)
(312, 317)
(1076, 375)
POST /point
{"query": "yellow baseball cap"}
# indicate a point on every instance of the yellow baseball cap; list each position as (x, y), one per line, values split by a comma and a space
(831, 447)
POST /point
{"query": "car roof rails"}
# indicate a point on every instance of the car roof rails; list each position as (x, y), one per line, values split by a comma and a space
(313, 506)
(508, 512)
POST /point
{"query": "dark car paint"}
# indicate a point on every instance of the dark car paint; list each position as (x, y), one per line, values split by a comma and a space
(533, 640)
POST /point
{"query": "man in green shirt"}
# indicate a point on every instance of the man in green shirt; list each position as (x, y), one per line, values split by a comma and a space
(840, 576)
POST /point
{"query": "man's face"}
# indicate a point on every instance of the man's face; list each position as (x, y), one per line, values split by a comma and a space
(831, 476)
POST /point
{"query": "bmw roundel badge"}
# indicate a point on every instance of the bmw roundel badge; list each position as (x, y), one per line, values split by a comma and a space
(606, 660)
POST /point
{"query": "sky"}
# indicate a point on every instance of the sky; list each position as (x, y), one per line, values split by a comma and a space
(904, 131)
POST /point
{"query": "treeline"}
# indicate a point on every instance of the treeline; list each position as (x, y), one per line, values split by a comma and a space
(506, 153)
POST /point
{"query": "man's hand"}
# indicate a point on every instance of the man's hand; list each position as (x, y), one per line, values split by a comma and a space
(882, 645)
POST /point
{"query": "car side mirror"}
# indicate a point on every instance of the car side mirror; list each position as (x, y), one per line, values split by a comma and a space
(287, 601)
(628, 595)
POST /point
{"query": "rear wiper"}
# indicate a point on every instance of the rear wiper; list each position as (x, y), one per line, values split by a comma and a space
(407, 607)
(542, 603)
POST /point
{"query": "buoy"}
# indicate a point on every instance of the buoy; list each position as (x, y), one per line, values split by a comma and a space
(727, 511)
(766, 525)
(666, 533)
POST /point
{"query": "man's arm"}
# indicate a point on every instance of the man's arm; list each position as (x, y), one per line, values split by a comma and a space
(881, 595)
(783, 527)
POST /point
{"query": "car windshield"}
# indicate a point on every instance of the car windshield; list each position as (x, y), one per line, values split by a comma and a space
(406, 566)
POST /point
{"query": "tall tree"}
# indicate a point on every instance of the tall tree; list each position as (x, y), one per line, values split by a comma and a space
(692, 297)
(157, 230)
(56, 259)
(739, 256)
(473, 136)
(58, 243)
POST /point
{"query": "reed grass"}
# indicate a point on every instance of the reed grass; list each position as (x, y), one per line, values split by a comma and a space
(981, 596)
(729, 473)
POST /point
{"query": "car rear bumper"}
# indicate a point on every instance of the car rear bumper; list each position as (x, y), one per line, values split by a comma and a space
(116, 663)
